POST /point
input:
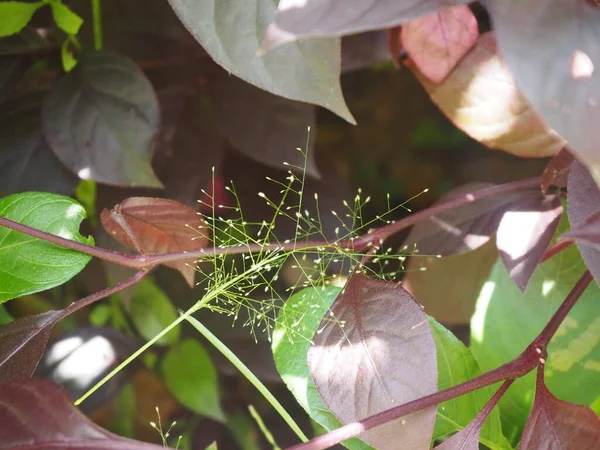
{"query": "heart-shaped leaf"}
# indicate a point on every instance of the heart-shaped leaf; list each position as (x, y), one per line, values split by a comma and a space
(556, 424)
(31, 265)
(296, 20)
(157, 226)
(306, 71)
(22, 343)
(481, 97)
(584, 202)
(525, 232)
(266, 127)
(38, 414)
(556, 42)
(373, 351)
(101, 119)
(437, 41)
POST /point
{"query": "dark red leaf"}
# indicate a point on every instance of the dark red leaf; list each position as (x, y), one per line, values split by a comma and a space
(525, 232)
(556, 173)
(37, 414)
(464, 228)
(554, 424)
(264, 126)
(587, 233)
(157, 226)
(375, 350)
(22, 343)
(583, 202)
(437, 41)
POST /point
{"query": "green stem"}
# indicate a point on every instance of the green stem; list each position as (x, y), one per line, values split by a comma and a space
(248, 374)
(97, 20)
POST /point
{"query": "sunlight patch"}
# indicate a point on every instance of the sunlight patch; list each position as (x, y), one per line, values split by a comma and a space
(478, 320)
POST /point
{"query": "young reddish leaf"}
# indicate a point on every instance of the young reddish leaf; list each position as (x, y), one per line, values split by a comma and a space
(553, 49)
(22, 343)
(157, 226)
(437, 41)
(587, 233)
(464, 228)
(556, 173)
(555, 424)
(481, 97)
(311, 18)
(375, 350)
(524, 233)
(38, 414)
(584, 202)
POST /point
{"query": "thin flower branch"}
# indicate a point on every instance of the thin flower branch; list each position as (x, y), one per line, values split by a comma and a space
(534, 356)
(373, 237)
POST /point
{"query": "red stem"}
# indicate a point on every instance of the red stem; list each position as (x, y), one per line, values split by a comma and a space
(555, 249)
(358, 244)
(482, 416)
(533, 356)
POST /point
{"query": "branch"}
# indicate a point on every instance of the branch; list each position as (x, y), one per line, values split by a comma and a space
(534, 355)
(145, 262)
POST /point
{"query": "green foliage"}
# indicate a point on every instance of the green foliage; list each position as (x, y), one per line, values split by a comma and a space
(66, 19)
(28, 264)
(151, 312)
(506, 321)
(191, 377)
(15, 15)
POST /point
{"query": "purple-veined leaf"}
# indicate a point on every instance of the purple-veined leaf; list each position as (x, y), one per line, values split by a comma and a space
(264, 126)
(319, 18)
(230, 31)
(101, 120)
(482, 98)
(22, 343)
(583, 202)
(553, 49)
(464, 228)
(375, 350)
(37, 414)
(587, 233)
(525, 232)
(437, 41)
(556, 173)
(554, 424)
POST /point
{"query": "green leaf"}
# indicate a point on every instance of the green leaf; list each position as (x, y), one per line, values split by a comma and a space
(191, 377)
(506, 321)
(100, 315)
(68, 60)
(456, 364)
(296, 324)
(31, 265)
(5, 316)
(151, 311)
(15, 15)
(231, 32)
(66, 19)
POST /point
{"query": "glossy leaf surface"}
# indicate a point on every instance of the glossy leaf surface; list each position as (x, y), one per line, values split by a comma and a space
(54, 422)
(368, 354)
(481, 97)
(31, 265)
(101, 119)
(307, 71)
(156, 226)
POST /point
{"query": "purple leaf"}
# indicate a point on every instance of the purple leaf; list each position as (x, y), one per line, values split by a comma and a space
(312, 18)
(556, 173)
(583, 202)
(364, 49)
(266, 127)
(464, 228)
(587, 233)
(37, 414)
(375, 350)
(525, 232)
(558, 42)
(22, 343)
(554, 424)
